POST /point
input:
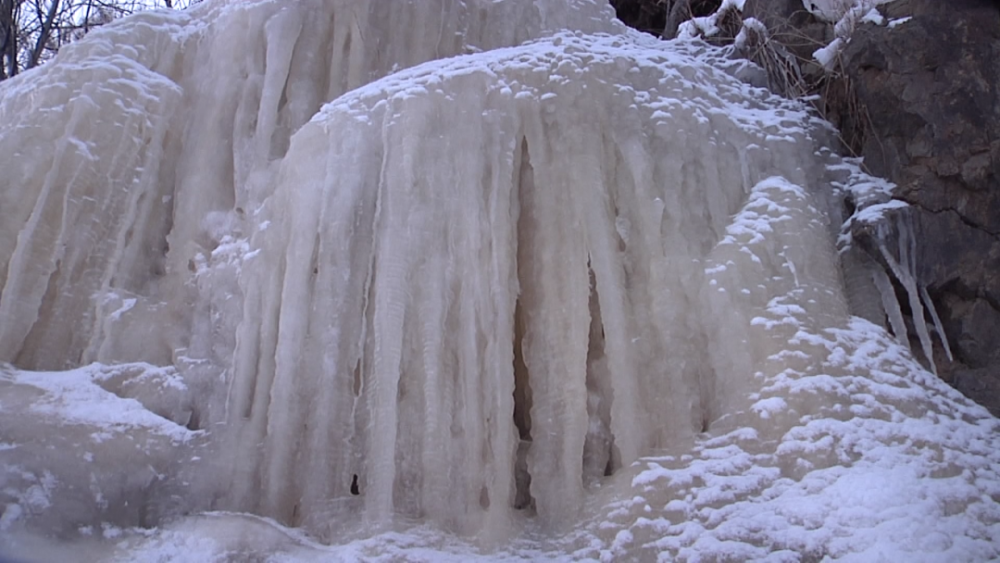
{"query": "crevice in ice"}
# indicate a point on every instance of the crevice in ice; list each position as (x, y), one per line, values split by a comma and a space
(194, 422)
(524, 177)
(598, 459)
(522, 384)
(46, 315)
(522, 479)
(357, 378)
(484, 498)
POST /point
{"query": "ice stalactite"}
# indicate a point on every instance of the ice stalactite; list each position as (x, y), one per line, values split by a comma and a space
(938, 327)
(901, 262)
(891, 305)
(885, 227)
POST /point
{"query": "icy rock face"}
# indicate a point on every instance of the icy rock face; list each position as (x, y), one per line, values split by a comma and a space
(557, 242)
(476, 292)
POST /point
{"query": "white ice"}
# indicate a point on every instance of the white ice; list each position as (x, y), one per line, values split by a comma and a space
(325, 284)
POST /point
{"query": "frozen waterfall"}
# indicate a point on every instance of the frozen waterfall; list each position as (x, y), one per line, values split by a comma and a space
(499, 267)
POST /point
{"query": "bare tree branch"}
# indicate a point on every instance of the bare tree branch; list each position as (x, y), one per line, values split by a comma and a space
(33, 31)
(43, 37)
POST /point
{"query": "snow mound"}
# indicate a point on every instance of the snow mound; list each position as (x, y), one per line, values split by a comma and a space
(76, 455)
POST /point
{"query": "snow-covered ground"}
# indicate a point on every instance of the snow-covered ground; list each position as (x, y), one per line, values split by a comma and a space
(910, 474)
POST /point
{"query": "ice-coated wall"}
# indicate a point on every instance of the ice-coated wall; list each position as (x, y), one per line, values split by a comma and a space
(147, 143)
(464, 291)
(524, 231)
(518, 250)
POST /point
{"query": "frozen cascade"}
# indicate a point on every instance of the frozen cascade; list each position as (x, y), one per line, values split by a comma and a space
(527, 207)
(524, 272)
(199, 107)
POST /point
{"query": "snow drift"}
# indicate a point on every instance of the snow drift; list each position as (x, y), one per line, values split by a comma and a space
(558, 275)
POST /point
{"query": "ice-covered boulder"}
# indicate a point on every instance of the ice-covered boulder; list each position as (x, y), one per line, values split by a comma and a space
(524, 271)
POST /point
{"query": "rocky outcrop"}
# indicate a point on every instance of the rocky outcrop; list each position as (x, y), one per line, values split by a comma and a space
(925, 113)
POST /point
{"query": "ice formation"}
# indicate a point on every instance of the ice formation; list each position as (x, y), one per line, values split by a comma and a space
(525, 271)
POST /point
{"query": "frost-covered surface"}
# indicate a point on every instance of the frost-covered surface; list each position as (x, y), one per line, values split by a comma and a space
(88, 448)
(850, 450)
(570, 278)
(908, 471)
(81, 397)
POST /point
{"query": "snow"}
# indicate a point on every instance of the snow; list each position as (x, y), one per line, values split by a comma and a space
(827, 56)
(292, 267)
(898, 21)
(708, 25)
(873, 16)
(76, 397)
(846, 15)
(874, 214)
(894, 487)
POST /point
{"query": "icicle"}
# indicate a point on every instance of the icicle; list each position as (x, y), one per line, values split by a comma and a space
(905, 272)
(282, 32)
(618, 388)
(891, 305)
(938, 327)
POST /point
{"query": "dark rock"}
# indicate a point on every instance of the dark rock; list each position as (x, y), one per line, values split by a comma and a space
(644, 15)
(928, 94)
